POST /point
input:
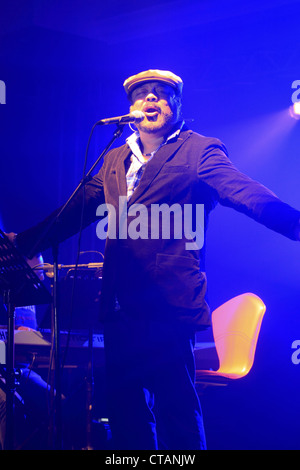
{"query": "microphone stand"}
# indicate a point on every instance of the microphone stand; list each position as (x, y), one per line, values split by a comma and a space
(55, 310)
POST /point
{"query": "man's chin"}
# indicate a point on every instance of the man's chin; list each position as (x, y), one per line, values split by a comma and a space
(154, 126)
(151, 127)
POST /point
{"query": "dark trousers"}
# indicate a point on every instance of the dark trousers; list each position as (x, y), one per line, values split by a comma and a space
(151, 397)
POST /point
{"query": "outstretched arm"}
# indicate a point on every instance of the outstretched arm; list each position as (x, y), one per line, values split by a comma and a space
(234, 189)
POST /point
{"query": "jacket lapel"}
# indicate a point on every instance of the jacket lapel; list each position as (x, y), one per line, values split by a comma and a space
(120, 170)
(156, 163)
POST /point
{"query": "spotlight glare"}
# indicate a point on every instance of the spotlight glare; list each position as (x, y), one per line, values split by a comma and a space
(295, 110)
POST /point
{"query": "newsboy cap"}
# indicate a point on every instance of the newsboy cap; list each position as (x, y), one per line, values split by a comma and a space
(153, 75)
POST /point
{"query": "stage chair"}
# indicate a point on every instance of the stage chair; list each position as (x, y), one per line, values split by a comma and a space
(236, 325)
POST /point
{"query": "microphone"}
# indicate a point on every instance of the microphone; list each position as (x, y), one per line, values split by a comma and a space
(135, 116)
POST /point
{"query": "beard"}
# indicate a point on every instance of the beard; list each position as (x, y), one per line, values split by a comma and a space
(162, 121)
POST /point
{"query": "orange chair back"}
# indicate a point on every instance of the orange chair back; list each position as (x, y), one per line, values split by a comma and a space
(236, 325)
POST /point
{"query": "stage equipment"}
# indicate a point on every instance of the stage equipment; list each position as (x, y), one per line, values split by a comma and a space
(79, 297)
(135, 116)
(19, 287)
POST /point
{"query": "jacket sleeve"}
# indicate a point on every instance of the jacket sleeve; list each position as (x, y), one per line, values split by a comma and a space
(52, 231)
(234, 189)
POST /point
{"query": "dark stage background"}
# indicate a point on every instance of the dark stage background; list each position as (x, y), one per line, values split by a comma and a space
(63, 63)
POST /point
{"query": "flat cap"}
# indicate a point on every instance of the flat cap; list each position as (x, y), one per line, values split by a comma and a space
(153, 75)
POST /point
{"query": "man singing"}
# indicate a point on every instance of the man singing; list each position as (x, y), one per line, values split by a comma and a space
(153, 293)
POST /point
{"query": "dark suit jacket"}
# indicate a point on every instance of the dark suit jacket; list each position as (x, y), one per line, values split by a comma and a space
(159, 278)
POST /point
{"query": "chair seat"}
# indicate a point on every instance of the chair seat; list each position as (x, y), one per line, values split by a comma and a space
(236, 325)
(216, 375)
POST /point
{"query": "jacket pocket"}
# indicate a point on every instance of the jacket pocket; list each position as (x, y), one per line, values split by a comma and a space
(180, 281)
